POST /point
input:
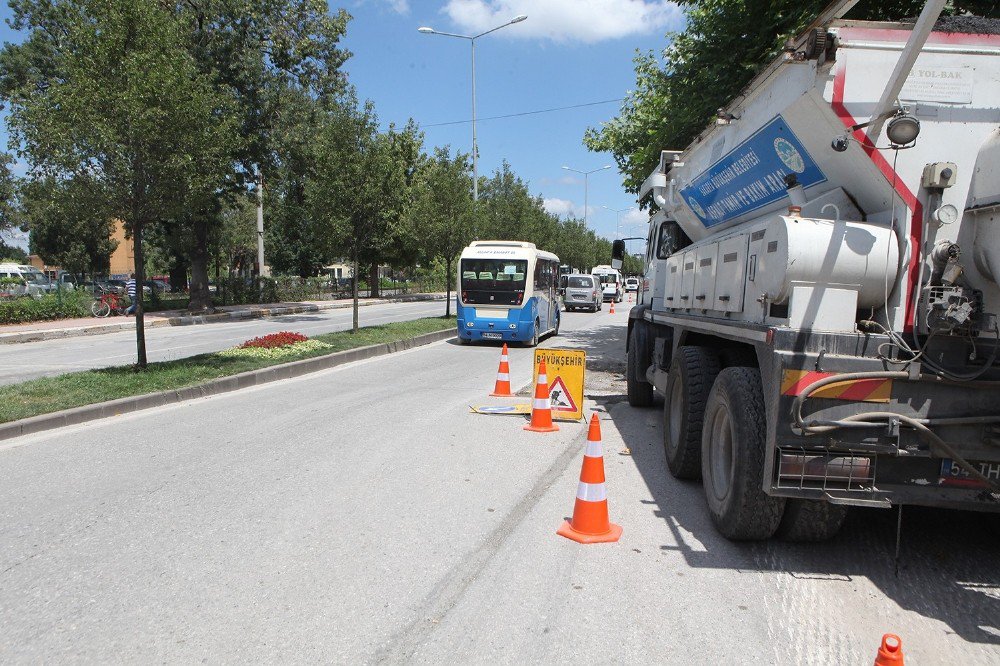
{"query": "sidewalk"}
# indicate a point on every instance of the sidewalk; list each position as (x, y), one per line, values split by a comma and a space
(68, 328)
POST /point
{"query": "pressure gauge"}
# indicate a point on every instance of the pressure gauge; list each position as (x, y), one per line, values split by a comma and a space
(946, 214)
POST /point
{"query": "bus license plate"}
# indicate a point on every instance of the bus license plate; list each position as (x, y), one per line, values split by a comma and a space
(492, 336)
(953, 475)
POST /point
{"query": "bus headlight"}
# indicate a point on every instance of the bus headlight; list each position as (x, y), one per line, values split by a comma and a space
(512, 326)
(469, 324)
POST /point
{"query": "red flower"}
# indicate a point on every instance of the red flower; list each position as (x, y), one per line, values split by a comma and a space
(282, 339)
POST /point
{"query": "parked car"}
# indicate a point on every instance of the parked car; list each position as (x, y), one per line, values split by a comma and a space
(631, 284)
(582, 292)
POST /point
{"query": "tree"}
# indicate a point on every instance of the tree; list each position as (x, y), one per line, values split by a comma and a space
(69, 222)
(723, 46)
(129, 108)
(443, 210)
(282, 61)
(358, 187)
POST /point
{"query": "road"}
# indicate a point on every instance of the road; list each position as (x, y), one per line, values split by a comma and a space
(22, 362)
(364, 515)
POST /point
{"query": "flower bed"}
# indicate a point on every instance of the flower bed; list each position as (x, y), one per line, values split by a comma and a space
(275, 345)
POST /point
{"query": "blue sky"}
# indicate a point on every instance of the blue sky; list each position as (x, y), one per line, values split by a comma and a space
(567, 52)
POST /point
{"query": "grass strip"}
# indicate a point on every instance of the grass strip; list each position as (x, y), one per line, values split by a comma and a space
(52, 394)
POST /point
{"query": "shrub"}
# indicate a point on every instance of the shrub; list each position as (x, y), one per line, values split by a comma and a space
(50, 306)
(282, 339)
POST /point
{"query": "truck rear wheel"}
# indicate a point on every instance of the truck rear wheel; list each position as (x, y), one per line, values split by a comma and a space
(810, 520)
(692, 371)
(732, 458)
(640, 392)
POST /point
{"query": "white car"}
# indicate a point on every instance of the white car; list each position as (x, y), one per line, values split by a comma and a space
(631, 284)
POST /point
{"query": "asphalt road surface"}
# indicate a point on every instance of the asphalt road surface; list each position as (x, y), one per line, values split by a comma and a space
(21, 362)
(364, 515)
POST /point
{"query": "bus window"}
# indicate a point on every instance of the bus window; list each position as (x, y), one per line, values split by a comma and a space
(493, 281)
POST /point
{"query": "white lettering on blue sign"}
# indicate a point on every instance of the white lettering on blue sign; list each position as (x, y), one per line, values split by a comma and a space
(752, 175)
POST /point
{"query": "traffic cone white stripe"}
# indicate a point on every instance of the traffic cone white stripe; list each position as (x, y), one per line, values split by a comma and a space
(591, 492)
(542, 379)
(541, 403)
(594, 450)
(503, 376)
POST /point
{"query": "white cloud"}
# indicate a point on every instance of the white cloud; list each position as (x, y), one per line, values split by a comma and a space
(563, 208)
(16, 237)
(586, 21)
(635, 217)
(400, 6)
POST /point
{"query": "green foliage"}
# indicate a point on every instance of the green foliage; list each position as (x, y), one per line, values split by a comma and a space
(10, 254)
(723, 46)
(49, 307)
(69, 223)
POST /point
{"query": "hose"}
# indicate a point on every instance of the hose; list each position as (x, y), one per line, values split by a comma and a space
(937, 444)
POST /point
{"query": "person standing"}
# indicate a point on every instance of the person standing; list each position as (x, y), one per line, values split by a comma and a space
(130, 288)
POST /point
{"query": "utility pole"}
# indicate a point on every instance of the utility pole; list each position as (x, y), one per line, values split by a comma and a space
(260, 223)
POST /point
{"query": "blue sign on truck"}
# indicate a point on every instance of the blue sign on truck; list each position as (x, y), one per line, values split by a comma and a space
(752, 175)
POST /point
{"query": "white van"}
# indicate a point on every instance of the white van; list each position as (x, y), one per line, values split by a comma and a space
(611, 282)
(35, 283)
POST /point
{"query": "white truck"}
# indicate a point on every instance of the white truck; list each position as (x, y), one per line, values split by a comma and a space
(822, 283)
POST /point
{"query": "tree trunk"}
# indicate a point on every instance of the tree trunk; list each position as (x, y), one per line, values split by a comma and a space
(201, 299)
(447, 288)
(355, 282)
(179, 273)
(140, 278)
(373, 281)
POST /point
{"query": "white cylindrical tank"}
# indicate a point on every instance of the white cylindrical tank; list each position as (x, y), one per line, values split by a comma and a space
(827, 252)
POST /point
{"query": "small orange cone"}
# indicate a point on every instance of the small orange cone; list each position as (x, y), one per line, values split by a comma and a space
(502, 387)
(630, 297)
(890, 653)
(590, 522)
(541, 408)
(612, 310)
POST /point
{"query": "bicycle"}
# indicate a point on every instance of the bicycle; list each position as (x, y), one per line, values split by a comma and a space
(108, 303)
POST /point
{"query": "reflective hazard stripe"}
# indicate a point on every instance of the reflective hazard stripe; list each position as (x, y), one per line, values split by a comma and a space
(594, 449)
(503, 376)
(542, 379)
(794, 382)
(540, 403)
(591, 492)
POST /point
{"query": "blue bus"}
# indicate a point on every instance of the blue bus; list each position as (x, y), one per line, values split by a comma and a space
(507, 291)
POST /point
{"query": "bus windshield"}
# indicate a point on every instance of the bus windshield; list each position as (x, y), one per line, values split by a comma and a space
(493, 281)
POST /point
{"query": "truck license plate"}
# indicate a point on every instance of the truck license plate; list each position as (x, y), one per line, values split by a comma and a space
(492, 336)
(953, 475)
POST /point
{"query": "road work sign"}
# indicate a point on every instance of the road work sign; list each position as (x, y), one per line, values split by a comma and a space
(564, 370)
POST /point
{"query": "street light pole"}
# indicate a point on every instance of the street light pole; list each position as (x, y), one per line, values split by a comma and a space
(472, 40)
(586, 176)
(618, 212)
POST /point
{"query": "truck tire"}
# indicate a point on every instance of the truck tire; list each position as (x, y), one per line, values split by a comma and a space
(810, 520)
(640, 392)
(732, 458)
(692, 372)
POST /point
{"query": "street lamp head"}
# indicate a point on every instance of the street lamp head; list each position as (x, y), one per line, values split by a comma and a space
(519, 18)
(606, 166)
(426, 30)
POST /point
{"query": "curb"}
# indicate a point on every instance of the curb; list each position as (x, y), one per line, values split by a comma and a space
(243, 380)
(193, 320)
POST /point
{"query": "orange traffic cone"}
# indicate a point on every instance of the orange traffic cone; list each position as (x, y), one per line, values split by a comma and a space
(541, 408)
(630, 297)
(890, 653)
(590, 514)
(502, 387)
(612, 310)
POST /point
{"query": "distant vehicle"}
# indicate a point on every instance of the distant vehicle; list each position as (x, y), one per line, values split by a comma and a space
(631, 284)
(583, 292)
(36, 284)
(611, 280)
(507, 290)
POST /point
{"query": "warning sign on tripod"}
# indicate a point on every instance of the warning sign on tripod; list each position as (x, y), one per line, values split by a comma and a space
(564, 370)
